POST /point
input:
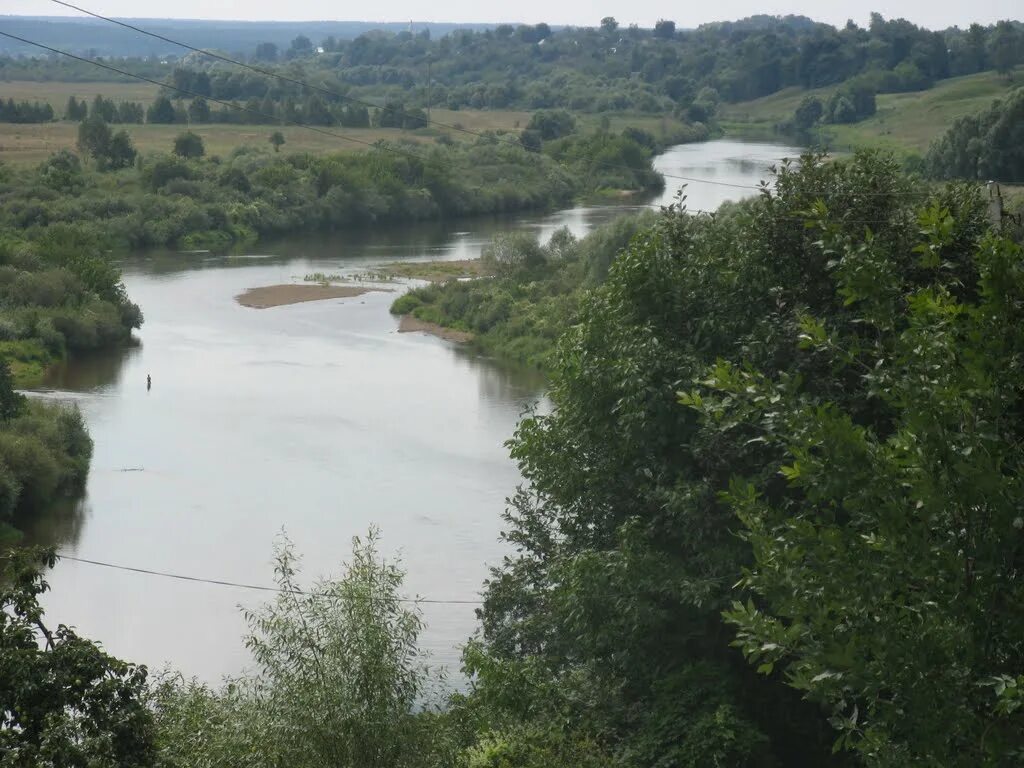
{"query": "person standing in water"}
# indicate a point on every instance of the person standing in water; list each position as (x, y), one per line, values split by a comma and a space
(149, 382)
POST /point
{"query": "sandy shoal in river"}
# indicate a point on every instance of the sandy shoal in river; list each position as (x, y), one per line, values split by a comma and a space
(279, 295)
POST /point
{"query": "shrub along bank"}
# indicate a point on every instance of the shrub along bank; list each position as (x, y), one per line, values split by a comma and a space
(215, 202)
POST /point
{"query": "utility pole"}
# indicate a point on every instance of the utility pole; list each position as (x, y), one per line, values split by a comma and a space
(995, 205)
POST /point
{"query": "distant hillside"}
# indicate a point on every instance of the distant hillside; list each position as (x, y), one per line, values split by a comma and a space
(905, 123)
(99, 38)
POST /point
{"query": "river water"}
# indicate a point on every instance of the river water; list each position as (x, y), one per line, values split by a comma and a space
(318, 419)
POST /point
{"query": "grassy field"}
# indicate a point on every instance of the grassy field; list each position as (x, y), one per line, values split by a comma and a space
(31, 144)
(905, 122)
(57, 93)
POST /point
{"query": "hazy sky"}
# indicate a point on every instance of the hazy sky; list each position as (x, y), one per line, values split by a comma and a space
(930, 13)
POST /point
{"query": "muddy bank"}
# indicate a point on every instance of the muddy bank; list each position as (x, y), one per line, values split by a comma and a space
(436, 271)
(278, 295)
(410, 324)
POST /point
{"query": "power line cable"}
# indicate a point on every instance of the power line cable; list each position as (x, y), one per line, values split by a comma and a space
(336, 94)
(405, 153)
(372, 145)
(230, 105)
(254, 587)
(277, 75)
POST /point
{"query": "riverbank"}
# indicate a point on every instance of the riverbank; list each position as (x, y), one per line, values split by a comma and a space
(412, 324)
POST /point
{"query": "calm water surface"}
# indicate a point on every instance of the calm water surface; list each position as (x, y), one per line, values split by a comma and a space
(315, 418)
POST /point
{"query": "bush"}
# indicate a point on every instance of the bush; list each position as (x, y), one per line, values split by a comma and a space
(406, 303)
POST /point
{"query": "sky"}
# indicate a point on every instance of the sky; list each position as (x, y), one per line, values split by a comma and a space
(934, 14)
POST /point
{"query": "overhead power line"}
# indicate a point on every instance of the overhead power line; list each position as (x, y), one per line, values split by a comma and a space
(272, 73)
(338, 95)
(402, 152)
(394, 110)
(230, 105)
(254, 587)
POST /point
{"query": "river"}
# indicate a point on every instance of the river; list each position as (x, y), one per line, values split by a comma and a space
(318, 419)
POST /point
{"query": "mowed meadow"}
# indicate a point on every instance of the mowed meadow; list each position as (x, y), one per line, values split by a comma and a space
(904, 123)
(31, 143)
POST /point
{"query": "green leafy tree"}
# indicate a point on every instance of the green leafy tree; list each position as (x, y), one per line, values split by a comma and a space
(65, 701)
(62, 171)
(338, 679)
(189, 145)
(75, 110)
(161, 111)
(1007, 47)
(301, 46)
(808, 113)
(665, 29)
(120, 151)
(12, 403)
(266, 52)
(104, 109)
(885, 580)
(199, 110)
(988, 145)
(94, 137)
(552, 124)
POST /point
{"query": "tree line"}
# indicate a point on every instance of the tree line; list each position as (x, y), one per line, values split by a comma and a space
(985, 146)
(642, 69)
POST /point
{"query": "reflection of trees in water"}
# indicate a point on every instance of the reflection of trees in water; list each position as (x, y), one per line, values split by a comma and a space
(750, 167)
(88, 373)
(503, 383)
(57, 526)
(391, 240)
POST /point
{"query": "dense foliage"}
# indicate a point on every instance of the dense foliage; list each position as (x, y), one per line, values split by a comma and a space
(63, 701)
(25, 112)
(44, 455)
(609, 68)
(988, 145)
(519, 313)
(338, 680)
(182, 200)
(840, 392)
(59, 291)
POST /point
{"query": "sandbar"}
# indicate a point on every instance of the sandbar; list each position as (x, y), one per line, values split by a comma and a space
(278, 295)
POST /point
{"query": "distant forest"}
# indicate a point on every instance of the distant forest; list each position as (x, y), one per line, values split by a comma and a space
(606, 68)
(85, 35)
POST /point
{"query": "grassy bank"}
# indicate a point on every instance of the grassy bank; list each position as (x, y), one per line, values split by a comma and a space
(905, 123)
(525, 295)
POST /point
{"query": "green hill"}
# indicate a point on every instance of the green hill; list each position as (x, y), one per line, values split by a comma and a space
(905, 122)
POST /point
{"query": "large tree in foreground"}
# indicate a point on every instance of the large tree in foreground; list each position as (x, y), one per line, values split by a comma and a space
(850, 348)
(887, 578)
(63, 701)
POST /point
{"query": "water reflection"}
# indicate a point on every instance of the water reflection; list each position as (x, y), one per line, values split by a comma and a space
(93, 372)
(58, 526)
(500, 381)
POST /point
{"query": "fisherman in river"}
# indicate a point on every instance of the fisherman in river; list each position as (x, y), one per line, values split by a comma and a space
(149, 382)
